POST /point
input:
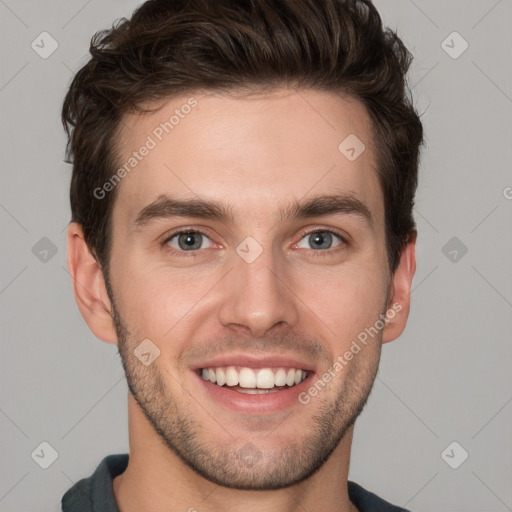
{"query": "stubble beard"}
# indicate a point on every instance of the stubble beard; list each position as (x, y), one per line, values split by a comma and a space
(242, 464)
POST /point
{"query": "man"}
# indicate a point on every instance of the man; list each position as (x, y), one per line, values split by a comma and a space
(243, 181)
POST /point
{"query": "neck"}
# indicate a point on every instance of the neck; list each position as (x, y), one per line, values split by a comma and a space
(157, 480)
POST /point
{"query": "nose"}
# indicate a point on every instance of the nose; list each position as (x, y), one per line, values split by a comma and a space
(257, 295)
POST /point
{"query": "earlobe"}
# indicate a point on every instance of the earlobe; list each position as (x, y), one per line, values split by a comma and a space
(89, 286)
(400, 299)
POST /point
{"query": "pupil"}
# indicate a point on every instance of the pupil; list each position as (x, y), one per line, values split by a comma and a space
(320, 238)
(189, 240)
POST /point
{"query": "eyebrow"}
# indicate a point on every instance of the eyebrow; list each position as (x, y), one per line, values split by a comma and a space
(166, 206)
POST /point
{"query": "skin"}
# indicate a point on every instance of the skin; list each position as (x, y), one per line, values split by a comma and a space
(255, 154)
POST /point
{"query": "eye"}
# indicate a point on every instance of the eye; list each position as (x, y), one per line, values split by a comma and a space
(188, 241)
(320, 239)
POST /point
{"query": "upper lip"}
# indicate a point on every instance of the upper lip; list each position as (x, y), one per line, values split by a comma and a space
(253, 361)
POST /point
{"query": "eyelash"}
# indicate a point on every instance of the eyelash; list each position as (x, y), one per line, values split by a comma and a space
(315, 253)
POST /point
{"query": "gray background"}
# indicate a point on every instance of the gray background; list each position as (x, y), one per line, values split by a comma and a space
(446, 379)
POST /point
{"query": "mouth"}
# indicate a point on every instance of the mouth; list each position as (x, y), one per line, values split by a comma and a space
(254, 381)
(252, 385)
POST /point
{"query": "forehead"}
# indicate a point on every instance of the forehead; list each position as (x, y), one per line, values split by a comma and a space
(255, 154)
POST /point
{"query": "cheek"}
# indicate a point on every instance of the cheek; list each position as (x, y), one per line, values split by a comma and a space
(349, 302)
(158, 302)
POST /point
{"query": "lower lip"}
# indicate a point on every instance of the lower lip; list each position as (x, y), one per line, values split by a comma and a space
(259, 403)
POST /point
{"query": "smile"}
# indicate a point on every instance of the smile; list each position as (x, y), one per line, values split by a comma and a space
(254, 380)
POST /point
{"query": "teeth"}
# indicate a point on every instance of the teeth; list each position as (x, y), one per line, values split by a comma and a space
(280, 378)
(257, 391)
(221, 376)
(265, 379)
(254, 381)
(247, 378)
(231, 376)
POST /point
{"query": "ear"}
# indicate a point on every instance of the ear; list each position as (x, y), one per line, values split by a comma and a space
(400, 297)
(89, 286)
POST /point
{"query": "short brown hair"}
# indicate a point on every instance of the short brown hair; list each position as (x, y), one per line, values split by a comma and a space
(170, 47)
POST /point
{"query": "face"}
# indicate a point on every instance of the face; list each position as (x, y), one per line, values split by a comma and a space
(250, 251)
